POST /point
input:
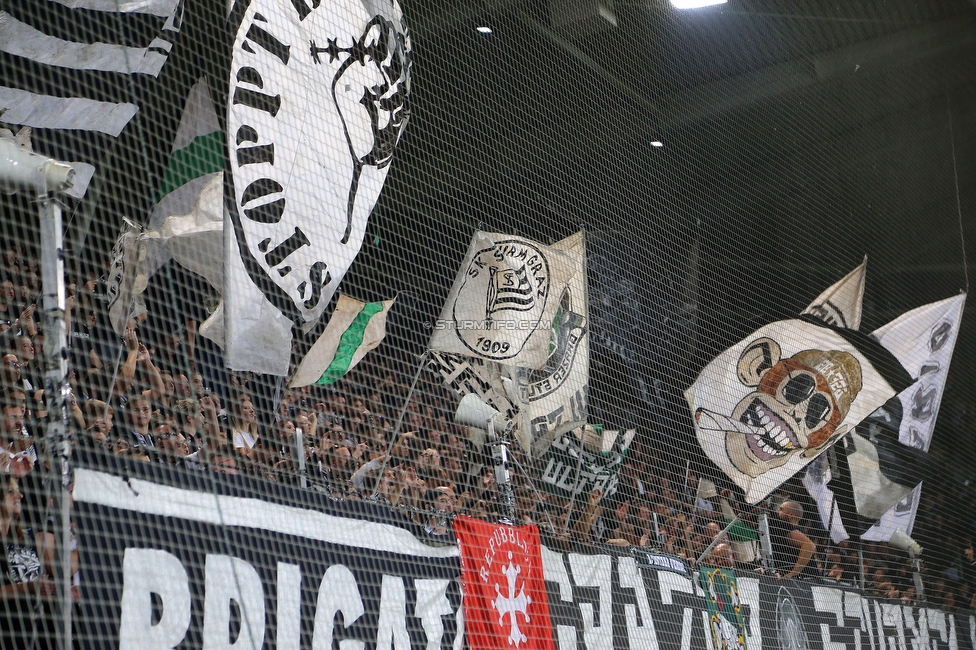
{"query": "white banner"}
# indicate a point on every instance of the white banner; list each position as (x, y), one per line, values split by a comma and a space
(553, 399)
(503, 301)
(318, 101)
(80, 86)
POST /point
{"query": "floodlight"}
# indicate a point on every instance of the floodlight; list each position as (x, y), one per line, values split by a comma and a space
(22, 170)
(695, 4)
(473, 412)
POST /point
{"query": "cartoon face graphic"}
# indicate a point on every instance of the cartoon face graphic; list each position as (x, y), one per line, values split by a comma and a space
(796, 405)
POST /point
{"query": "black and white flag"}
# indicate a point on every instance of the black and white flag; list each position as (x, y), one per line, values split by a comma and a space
(470, 375)
(503, 301)
(925, 337)
(873, 466)
(840, 303)
(126, 277)
(317, 105)
(553, 399)
(75, 70)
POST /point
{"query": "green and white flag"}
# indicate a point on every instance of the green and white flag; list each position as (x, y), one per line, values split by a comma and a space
(354, 329)
(603, 453)
(187, 222)
(726, 620)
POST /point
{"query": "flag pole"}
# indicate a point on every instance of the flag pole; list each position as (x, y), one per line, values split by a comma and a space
(579, 466)
(538, 496)
(396, 430)
(579, 472)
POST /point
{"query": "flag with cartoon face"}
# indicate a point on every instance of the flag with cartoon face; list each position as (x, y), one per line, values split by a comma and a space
(767, 406)
(503, 301)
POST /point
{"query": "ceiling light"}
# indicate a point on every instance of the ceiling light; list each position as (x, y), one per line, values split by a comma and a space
(657, 143)
(483, 29)
(695, 4)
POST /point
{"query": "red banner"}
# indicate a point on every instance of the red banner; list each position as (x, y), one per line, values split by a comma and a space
(505, 602)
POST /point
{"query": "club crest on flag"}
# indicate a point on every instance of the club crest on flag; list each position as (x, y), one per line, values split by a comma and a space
(512, 279)
(503, 301)
(505, 602)
(725, 618)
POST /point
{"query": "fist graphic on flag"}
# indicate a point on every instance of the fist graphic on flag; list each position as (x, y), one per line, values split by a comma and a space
(505, 604)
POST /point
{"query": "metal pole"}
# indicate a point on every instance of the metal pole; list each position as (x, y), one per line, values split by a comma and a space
(687, 476)
(56, 390)
(503, 478)
(538, 496)
(396, 431)
(765, 545)
(917, 576)
(708, 549)
(576, 482)
(299, 455)
(860, 563)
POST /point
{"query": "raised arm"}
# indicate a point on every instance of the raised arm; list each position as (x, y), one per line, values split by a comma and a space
(155, 379)
(127, 372)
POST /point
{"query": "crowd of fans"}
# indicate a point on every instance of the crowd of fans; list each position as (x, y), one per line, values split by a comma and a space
(150, 394)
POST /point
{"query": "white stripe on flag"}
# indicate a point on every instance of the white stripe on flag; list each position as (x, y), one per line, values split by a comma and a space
(161, 8)
(83, 176)
(137, 495)
(20, 39)
(69, 113)
(322, 353)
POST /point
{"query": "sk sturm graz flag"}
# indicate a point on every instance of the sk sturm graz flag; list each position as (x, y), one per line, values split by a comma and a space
(505, 602)
(503, 301)
(725, 617)
(76, 72)
(767, 406)
(317, 105)
(553, 398)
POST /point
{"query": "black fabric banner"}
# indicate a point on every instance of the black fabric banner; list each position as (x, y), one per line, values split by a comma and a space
(603, 598)
(167, 567)
(210, 565)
